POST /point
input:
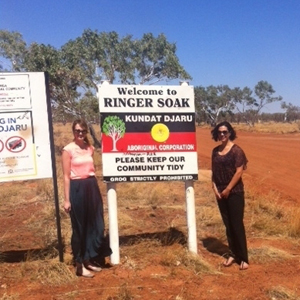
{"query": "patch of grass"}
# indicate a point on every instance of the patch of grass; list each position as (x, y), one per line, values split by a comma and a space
(45, 189)
(267, 254)
(129, 193)
(209, 220)
(124, 293)
(43, 223)
(10, 297)
(126, 223)
(8, 193)
(49, 252)
(279, 293)
(294, 226)
(141, 248)
(266, 216)
(270, 127)
(179, 256)
(48, 272)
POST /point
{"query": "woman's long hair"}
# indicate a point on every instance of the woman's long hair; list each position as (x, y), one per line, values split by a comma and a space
(84, 126)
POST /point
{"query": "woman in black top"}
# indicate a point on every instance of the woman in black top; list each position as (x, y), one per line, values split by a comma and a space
(228, 163)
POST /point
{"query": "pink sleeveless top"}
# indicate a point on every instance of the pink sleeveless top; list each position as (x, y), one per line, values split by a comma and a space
(82, 163)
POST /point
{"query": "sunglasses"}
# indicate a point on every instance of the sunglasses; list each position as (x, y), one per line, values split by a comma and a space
(78, 131)
(224, 132)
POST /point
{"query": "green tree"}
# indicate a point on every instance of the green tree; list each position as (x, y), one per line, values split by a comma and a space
(244, 101)
(115, 128)
(99, 56)
(155, 60)
(292, 112)
(263, 96)
(13, 49)
(214, 102)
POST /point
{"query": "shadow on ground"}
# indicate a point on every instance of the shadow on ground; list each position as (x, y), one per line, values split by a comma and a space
(14, 256)
(214, 245)
(166, 238)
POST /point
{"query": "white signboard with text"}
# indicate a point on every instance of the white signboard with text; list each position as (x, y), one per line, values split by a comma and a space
(25, 151)
(148, 133)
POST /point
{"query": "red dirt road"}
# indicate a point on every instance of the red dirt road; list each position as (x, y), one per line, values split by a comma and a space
(274, 160)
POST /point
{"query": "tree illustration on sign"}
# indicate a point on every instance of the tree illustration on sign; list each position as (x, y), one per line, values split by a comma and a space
(114, 127)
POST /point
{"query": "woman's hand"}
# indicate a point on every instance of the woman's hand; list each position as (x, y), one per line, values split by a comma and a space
(216, 192)
(225, 193)
(236, 177)
(67, 206)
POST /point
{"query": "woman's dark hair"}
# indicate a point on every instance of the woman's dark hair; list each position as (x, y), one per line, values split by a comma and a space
(232, 133)
(84, 126)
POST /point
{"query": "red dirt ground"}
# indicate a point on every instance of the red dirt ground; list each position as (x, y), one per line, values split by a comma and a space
(274, 164)
(273, 159)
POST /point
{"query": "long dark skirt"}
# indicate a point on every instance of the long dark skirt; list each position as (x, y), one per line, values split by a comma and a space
(87, 219)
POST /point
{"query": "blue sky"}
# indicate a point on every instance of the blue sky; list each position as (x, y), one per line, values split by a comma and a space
(233, 42)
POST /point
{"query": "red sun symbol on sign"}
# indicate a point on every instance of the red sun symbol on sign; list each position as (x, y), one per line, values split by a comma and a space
(15, 144)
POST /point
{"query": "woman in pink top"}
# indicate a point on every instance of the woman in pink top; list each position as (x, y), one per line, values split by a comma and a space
(83, 201)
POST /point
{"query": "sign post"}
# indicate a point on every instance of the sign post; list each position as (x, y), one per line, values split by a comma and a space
(26, 134)
(148, 134)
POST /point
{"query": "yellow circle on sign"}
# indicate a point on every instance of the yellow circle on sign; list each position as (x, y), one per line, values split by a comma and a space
(160, 132)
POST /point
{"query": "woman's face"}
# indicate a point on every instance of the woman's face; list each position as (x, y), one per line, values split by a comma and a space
(79, 133)
(223, 133)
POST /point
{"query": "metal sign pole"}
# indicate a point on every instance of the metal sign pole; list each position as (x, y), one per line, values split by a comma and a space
(190, 211)
(54, 176)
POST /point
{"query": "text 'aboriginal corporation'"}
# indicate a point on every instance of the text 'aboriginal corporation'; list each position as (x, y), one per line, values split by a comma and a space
(182, 147)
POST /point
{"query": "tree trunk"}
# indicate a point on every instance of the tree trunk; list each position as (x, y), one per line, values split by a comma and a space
(97, 143)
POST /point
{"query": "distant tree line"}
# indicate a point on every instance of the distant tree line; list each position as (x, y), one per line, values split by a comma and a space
(216, 103)
(76, 69)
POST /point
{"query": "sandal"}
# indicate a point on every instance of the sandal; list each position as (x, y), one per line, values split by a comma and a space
(93, 268)
(88, 265)
(86, 275)
(244, 266)
(228, 262)
(82, 271)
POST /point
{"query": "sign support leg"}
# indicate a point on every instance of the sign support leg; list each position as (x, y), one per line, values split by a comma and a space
(113, 223)
(191, 216)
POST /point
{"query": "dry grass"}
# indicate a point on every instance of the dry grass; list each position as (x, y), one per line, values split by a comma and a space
(179, 256)
(266, 254)
(281, 293)
(267, 217)
(124, 293)
(10, 297)
(48, 272)
(294, 224)
(45, 271)
(271, 127)
(267, 127)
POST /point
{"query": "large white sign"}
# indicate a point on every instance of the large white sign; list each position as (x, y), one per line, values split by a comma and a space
(24, 129)
(148, 133)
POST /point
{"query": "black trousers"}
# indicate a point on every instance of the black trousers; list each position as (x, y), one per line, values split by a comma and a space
(232, 212)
